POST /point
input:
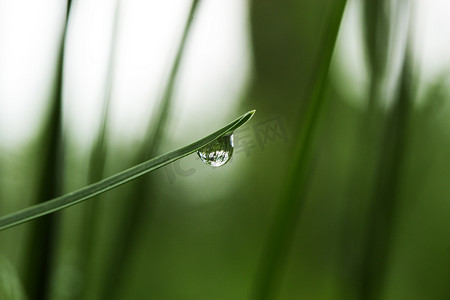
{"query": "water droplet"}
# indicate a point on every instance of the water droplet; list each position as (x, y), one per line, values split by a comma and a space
(217, 153)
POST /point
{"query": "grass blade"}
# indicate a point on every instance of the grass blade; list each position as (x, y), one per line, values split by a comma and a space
(109, 183)
(377, 26)
(385, 197)
(43, 236)
(97, 161)
(128, 229)
(284, 224)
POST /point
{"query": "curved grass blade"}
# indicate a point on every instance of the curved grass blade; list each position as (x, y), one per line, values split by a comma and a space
(109, 183)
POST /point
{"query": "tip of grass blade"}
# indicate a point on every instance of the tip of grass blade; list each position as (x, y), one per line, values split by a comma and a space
(231, 127)
(251, 113)
(246, 117)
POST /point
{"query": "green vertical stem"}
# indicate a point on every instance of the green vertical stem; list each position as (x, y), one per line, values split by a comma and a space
(137, 210)
(96, 168)
(43, 235)
(280, 236)
(385, 198)
(376, 24)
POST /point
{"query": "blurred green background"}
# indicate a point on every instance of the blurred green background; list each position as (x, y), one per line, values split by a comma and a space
(338, 187)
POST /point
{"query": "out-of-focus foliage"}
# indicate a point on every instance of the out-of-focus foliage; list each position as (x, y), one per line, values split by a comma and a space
(374, 223)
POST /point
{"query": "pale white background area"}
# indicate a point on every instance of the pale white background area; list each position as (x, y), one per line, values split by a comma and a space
(213, 75)
(430, 29)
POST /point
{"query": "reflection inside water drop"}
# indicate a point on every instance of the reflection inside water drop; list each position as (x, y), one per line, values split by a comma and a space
(217, 153)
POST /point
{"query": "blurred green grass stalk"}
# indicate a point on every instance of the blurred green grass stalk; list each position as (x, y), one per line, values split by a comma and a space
(43, 235)
(142, 197)
(97, 161)
(383, 209)
(291, 203)
(366, 236)
(377, 25)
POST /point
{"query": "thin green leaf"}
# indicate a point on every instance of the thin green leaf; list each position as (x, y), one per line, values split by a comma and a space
(97, 162)
(41, 241)
(286, 219)
(109, 183)
(385, 199)
(133, 214)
